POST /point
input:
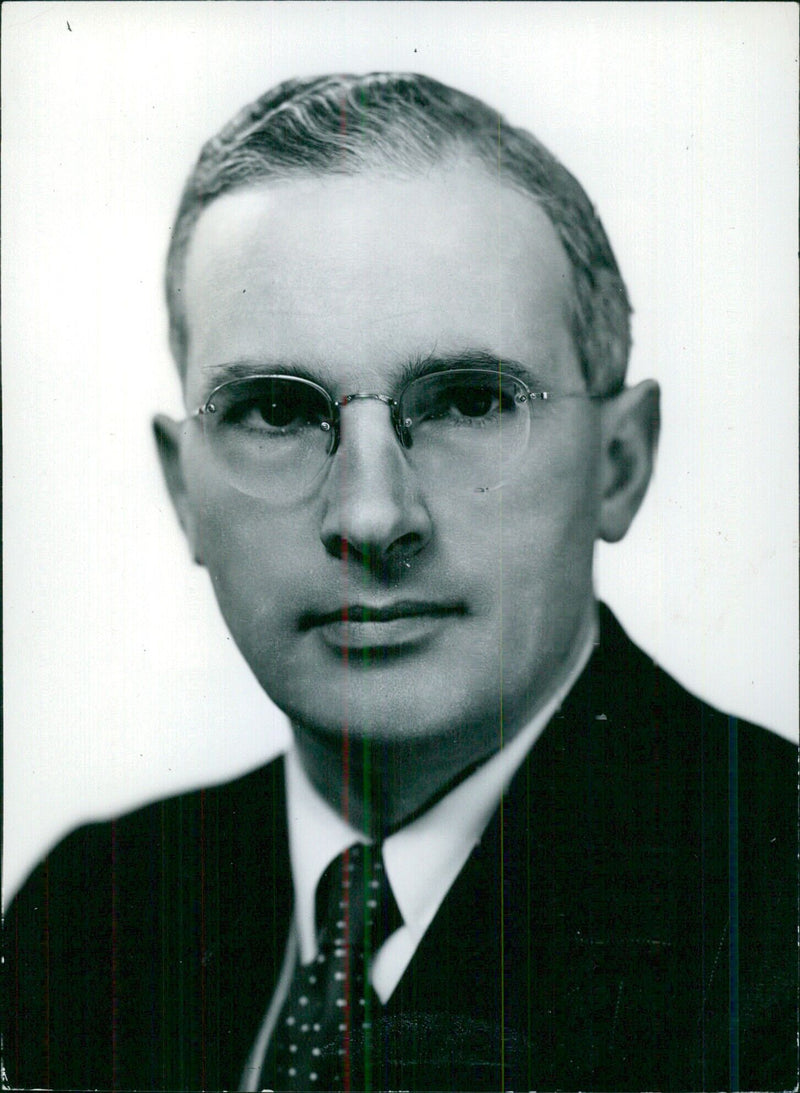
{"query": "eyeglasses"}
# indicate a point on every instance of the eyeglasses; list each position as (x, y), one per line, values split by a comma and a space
(461, 429)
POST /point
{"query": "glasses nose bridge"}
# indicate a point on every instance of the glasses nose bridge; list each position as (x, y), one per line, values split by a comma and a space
(400, 428)
(361, 395)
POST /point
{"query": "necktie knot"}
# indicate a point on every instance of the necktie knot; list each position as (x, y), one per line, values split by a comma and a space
(354, 898)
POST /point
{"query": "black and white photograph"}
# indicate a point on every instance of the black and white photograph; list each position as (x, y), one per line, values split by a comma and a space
(400, 546)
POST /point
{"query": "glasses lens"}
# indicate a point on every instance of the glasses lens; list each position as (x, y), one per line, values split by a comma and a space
(467, 426)
(270, 434)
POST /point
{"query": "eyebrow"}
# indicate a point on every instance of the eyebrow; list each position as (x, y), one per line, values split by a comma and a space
(469, 357)
(414, 368)
(246, 369)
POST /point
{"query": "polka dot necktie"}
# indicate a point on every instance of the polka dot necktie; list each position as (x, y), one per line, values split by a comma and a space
(323, 1035)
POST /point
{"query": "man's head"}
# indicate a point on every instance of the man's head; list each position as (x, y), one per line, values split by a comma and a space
(354, 233)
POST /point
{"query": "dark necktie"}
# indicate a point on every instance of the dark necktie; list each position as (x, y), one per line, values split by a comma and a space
(323, 1039)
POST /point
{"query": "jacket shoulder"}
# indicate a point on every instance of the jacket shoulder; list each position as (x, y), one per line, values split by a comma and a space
(126, 932)
(135, 840)
(656, 837)
(644, 695)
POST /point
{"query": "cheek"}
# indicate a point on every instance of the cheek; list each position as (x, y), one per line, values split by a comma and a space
(255, 561)
(548, 535)
(552, 510)
(236, 537)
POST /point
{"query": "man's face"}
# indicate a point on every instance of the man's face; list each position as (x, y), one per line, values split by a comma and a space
(348, 279)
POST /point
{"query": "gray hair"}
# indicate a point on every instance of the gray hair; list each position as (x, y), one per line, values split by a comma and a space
(344, 124)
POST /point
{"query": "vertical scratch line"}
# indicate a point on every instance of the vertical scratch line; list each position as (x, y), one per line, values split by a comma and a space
(733, 898)
(114, 941)
(502, 815)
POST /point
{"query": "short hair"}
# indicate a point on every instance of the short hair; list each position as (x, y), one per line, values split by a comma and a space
(404, 123)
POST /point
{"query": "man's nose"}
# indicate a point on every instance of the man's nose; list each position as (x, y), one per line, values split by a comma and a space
(374, 508)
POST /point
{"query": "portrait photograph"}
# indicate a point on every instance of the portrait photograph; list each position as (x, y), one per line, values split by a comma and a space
(400, 505)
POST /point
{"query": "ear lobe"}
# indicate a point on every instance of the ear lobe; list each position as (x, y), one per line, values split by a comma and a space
(167, 435)
(631, 423)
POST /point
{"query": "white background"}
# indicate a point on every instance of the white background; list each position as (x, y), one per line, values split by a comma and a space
(121, 683)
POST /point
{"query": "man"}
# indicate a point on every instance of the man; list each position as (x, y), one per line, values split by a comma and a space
(403, 336)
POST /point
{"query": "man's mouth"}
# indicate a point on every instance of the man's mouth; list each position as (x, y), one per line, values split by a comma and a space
(373, 626)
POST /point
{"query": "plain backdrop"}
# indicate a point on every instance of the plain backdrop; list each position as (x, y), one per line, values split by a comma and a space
(121, 683)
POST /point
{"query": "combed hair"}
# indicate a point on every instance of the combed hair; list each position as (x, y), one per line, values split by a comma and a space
(402, 124)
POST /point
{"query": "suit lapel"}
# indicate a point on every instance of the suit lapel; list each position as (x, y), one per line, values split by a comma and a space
(561, 942)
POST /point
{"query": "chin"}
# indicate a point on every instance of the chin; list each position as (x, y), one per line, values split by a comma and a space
(378, 710)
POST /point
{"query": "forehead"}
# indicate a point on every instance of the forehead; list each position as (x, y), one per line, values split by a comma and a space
(352, 275)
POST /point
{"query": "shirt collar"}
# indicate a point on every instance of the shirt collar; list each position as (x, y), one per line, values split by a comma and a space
(317, 835)
(422, 859)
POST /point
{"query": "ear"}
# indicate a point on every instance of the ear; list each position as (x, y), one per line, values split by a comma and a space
(167, 435)
(631, 423)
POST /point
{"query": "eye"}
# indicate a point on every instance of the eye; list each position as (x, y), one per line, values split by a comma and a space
(473, 399)
(462, 397)
(279, 405)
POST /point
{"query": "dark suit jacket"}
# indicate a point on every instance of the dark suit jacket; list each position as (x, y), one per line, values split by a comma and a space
(627, 922)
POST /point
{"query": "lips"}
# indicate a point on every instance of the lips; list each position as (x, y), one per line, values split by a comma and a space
(362, 626)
